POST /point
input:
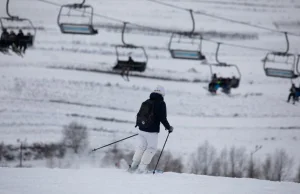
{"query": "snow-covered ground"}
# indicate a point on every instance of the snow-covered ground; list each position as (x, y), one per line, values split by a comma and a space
(41, 92)
(112, 181)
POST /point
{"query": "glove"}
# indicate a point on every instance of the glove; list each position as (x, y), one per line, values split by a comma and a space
(170, 129)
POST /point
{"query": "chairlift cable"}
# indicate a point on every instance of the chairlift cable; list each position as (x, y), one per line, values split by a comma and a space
(103, 16)
(7, 10)
(82, 2)
(239, 46)
(224, 18)
(153, 28)
(99, 15)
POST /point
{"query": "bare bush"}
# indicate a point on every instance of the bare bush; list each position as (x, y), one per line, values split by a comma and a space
(277, 167)
(253, 170)
(237, 162)
(203, 159)
(224, 167)
(282, 165)
(267, 168)
(75, 136)
(167, 162)
(216, 167)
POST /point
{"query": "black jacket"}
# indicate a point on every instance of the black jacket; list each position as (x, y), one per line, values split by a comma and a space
(160, 114)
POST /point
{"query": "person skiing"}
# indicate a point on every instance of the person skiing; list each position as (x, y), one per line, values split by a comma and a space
(152, 112)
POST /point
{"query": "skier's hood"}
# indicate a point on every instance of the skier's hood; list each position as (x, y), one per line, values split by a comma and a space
(156, 96)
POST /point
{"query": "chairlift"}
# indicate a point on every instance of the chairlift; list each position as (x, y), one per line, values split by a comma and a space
(76, 19)
(282, 64)
(15, 24)
(130, 57)
(231, 82)
(186, 45)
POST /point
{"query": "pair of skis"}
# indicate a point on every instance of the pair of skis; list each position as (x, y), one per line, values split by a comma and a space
(147, 172)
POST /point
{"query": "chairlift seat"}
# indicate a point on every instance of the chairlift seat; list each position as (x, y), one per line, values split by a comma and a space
(85, 29)
(187, 54)
(134, 66)
(282, 73)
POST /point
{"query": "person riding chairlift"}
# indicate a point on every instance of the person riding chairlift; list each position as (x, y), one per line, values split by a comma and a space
(4, 40)
(126, 67)
(226, 85)
(214, 84)
(21, 43)
(297, 93)
(293, 93)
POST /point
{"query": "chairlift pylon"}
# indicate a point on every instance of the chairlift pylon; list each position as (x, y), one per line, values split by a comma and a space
(282, 64)
(183, 53)
(76, 18)
(233, 81)
(130, 63)
(14, 23)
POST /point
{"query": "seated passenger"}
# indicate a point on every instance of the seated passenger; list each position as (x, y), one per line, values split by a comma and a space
(12, 37)
(4, 38)
(297, 93)
(226, 85)
(13, 42)
(29, 39)
(213, 85)
(126, 67)
(130, 60)
(292, 94)
(4, 34)
(22, 41)
(20, 38)
(234, 82)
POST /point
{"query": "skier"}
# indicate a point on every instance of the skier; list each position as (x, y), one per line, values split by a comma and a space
(152, 112)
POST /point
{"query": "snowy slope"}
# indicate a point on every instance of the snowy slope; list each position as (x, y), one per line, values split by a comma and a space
(110, 181)
(38, 96)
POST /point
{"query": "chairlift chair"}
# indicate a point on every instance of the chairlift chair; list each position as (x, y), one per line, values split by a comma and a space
(184, 39)
(234, 81)
(15, 23)
(282, 64)
(138, 53)
(76, 19)
(136, 65)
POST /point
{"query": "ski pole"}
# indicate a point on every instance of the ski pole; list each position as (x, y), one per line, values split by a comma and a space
(161, 153)
(113, 142)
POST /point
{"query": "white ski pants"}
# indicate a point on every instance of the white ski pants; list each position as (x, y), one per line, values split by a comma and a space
(145, 149)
